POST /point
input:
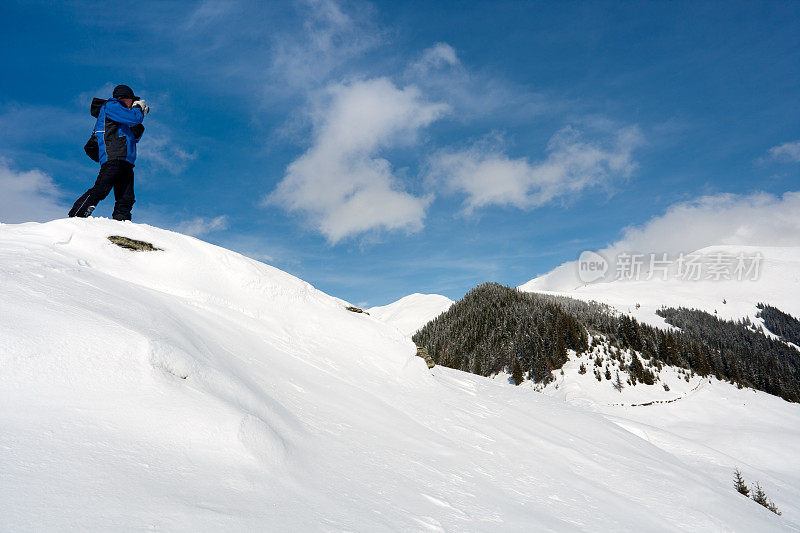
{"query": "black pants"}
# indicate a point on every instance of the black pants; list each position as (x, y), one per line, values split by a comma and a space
(113, 174)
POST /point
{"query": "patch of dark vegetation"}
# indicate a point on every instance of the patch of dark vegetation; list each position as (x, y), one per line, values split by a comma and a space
(737, 352)
(781, 324)
(133, 244)
(757, 493)
(496, 328)
(354, 309)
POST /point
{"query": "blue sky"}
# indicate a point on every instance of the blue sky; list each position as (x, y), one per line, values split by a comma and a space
(379, 149)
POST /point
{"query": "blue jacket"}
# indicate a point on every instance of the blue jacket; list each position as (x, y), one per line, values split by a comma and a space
(113, 131)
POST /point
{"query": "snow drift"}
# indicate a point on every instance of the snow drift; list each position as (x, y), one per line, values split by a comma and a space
(410, 313)
(196, 389)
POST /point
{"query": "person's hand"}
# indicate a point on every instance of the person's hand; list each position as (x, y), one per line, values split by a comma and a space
(142, 106)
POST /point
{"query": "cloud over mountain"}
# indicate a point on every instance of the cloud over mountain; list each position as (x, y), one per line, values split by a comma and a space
(342, 184)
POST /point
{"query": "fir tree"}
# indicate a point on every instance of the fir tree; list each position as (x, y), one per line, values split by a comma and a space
(739, 484)
(561, 349)
(516, 372)
(772, 507)
(759, 496)
(618, 383)
(541, 374)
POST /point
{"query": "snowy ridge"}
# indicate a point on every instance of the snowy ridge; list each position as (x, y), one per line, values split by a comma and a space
(410, 313)
(196, 389)
(778, 284)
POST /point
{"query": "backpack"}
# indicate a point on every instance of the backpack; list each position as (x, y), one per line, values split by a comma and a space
(91, 147)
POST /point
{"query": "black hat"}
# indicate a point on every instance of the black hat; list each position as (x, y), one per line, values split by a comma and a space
(123, 91)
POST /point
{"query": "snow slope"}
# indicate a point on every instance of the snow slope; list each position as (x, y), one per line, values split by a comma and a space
(778, 284)
(195, 389)
(411, 312)
(708, 423)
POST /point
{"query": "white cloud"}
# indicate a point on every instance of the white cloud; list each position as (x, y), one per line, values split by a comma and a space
(29, 196)
(207, 13)
(473, 94)
(435, 57)
(200, 226)
(789, 152)
(758, 219)
(330, 37)
(754, 219)
(487, 176)
(159, 150)
(340, 183)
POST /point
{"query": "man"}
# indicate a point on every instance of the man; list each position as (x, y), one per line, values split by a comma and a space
(117, 130)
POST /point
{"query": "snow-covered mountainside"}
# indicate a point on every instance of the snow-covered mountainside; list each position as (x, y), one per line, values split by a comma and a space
(411, 312)
(777, 283)
(706, 422)
(192, 388)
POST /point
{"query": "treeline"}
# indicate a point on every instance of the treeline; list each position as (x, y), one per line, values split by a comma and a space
(495, 328)
(739, 352)
(782, 324)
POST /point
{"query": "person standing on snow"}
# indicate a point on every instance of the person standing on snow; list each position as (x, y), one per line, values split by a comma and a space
(113, 144)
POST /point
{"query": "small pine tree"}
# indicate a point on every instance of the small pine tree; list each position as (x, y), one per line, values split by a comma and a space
(759, 496)
(618, 383)
(771, 506)
(516, 371)
(739, 484)
(582, 369)
(608, 374)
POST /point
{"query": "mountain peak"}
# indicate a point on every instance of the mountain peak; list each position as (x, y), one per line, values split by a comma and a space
(711, 284)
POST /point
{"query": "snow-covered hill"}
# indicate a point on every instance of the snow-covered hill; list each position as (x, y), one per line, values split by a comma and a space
(706, 422)
(195, 389)
(777, 283)
(411, 312)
